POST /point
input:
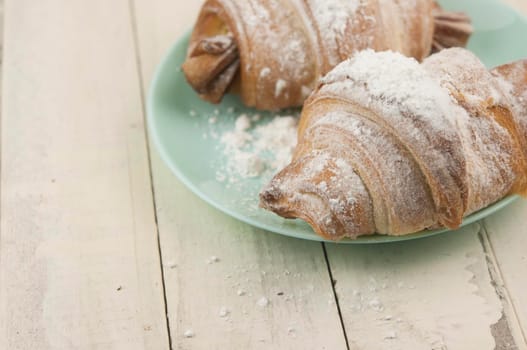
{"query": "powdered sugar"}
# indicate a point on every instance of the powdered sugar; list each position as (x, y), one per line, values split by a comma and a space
(511, 78)
(389, 171)
(224, 312)
(486, 144)
(276, 30)
(265, 72)
(242, 123)
(280, 87)
(251, 151)
(396, 79)
(189, 333)
(263, 302)
(399, 95)
(309, 192)
(332, 18)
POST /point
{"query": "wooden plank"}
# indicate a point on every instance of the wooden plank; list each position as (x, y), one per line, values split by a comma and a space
(507, 233)
(290, 274)
(253, 266)
(80, 266)
(432, 293)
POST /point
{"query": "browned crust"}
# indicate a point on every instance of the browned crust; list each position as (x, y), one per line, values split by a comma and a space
(409, 31)
(516, 75)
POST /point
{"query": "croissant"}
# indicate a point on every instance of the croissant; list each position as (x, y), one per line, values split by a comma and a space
(387, 145)
(274, 51)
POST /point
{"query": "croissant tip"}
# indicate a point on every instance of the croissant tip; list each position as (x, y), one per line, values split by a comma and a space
(211, 66)
(270, 197)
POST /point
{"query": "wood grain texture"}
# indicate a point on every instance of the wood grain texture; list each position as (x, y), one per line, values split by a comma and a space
(79, 262)
(224, 302)
(507, 234)
(433, 293)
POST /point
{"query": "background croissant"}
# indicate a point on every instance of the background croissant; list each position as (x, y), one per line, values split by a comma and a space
(392, 146)
(274, 51)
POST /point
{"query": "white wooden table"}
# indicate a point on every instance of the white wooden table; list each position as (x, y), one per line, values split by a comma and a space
(101, 247)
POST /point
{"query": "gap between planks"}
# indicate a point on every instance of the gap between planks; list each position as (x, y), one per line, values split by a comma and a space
(335, 295)
(72, 114)
(316, 317)
(509, 310)
(142, 89)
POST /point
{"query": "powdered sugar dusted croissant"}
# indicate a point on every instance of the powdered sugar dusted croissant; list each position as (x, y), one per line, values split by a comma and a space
(274, 51)
(392, 146)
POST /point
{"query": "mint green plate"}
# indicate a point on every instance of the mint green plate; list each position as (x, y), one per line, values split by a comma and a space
(179, 125)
